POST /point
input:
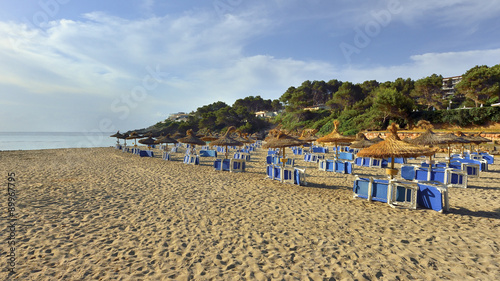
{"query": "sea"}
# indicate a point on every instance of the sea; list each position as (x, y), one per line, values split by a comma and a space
(53, 140)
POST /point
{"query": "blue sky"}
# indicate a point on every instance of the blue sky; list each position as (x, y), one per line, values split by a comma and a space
(71, 65)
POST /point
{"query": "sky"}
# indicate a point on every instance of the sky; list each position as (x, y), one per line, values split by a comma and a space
(103, 66)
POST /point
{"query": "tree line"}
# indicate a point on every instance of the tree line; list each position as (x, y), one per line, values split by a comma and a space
(370, 105)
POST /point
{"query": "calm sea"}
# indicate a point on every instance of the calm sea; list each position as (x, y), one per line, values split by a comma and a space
(45, 140)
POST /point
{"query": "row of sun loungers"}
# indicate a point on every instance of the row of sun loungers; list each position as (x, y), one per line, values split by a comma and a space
(419, 186)
(137, 151)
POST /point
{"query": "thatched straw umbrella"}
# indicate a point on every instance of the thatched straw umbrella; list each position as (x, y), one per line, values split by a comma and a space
(377, 139)
(308, 137)
(153, 134)
(361, 141)
(336, 138)
(117, 136)
(178, 135)
(407, 139)
(134, 136)
(191, 139)
(226, 140)
(124, 138)
(166, 140)
(248, 139)
(149, 142)
(209, 137)
(241, 139)
(453, 139)
(429, 138)
(477, 140)
(394, 147)
(282, 140)
(471, 140)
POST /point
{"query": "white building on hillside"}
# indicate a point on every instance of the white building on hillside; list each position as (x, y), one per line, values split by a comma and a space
(449, 84)
(266, 114)
(179, 117)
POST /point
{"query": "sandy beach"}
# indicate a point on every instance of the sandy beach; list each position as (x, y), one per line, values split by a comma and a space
(101, 214)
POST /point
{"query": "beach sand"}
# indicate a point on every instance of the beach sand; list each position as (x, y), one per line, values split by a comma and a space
(101, 214)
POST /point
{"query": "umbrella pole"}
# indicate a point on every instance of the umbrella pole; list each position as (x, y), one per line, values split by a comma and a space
(430, 167)
(449, 155)
(283, 164)
(392, 168)
(336, 152)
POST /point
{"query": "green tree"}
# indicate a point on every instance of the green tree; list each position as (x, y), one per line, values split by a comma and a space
(320, 92)
(210, 108)
(254, 104)
(333, 86)
(368, 87)
(404, 86)
(480, 84)
(427, 92)
(297, 98)
(276, 105)
(392, 104)
(347, 95)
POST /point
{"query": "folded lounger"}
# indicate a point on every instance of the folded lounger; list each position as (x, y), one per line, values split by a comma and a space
(292, 175)
(191, 159)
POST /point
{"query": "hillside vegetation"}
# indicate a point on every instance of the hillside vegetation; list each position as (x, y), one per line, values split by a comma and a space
(370, 105)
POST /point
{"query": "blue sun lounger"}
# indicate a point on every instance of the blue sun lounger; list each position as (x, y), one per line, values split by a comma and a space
(292, 175)
(405, 194)
(146, 153)
(191, 159)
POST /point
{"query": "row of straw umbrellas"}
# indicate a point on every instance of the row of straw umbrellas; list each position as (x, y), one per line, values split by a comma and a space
(225, 140)
(392, 147)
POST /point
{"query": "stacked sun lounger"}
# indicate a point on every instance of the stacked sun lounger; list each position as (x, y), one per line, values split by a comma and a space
(146, 153)
(231, 165)
(449, 177)
(313, 157)
(166, 156)
(292, 175)
(336, 166)
(208, 153)
(270, 159)
(242, 155)
(318, 149)
(191, 159)
(407, 194)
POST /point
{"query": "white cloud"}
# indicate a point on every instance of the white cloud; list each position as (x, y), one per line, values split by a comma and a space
(463, 13)
(446, 64)
(99, 63)
(79, 72)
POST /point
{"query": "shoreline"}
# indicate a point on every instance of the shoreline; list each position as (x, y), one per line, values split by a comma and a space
(99, 213)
